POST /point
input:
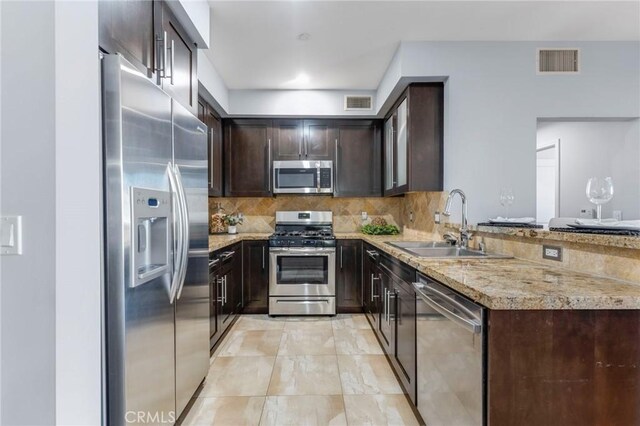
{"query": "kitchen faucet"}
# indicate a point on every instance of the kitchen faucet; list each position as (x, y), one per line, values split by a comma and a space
(465, 235)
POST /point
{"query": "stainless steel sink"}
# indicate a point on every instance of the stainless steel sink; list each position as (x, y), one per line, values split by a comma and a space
(442, 250)
(419, 244)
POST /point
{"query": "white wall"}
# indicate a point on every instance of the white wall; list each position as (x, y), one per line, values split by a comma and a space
(493, 98)
(78, 225)
(294, 102)
(27, 188)
(597, 148)
(209, 78)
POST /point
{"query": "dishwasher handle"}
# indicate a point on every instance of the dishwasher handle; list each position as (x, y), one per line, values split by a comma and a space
(472, 325)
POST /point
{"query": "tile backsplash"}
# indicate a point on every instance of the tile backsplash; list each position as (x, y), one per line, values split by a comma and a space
(260, 212)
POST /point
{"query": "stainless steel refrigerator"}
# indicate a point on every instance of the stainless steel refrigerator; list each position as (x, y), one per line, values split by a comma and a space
(156, 249)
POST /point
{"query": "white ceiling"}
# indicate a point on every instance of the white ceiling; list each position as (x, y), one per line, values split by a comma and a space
(254, 45)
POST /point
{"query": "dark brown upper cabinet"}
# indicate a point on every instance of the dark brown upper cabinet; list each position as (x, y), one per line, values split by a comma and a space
(126, 27)
(247, 147)
(303, 139)
(358, 158)
(149, 36)
(208, 116)
(177, 58)
(319, 137)
(288, 140)
(413, 141)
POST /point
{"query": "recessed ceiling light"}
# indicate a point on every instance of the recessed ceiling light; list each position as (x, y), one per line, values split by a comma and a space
(304, 37)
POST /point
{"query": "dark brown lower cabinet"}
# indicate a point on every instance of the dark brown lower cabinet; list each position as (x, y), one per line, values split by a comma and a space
(406, 340)
(371, 284)
(225, 284)
(391, 310)
(256, 277)
(349, 276)
(565, 367)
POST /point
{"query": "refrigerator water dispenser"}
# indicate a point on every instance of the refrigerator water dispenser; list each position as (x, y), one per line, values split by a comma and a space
(150, 226)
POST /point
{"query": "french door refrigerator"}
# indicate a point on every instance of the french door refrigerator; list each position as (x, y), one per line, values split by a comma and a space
(156, 249)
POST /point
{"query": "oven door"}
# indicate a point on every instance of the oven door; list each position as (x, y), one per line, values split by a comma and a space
(302, 271)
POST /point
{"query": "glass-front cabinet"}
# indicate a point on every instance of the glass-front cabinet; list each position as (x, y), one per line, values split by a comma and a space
(413, 141)
(389, 155)
(401, 144)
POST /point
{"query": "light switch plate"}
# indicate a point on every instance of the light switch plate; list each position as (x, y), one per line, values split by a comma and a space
(11, 235)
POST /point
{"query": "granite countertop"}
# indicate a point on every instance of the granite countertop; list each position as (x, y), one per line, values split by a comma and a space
(620, 241)
(501, 284)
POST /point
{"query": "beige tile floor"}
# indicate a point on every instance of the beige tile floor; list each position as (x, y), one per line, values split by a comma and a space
(300, 371)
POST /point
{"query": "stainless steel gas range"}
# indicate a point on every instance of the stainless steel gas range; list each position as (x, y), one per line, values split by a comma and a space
(302, 254)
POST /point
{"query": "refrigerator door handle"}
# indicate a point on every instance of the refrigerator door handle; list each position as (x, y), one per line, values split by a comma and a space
(185, 232)
(178, 232)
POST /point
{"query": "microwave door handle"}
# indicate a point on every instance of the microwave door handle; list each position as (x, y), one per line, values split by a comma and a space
(318, 178)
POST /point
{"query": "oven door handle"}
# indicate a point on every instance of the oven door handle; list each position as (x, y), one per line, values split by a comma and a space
(308, 251)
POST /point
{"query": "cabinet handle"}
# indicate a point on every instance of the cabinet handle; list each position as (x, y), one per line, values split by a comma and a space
(172, 60)
(161, 44)
(211, 133)
(219, 287)
(373, 295)
(269, 163)
(263, 257)
(225, 289)
(389, 297)
(337, 163)
(341, 256)
(386, 306)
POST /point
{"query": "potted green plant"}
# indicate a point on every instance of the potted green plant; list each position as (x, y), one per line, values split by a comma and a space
(232, 220)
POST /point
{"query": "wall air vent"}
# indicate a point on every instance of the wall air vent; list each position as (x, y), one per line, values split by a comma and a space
(558, 61)
(358, 103)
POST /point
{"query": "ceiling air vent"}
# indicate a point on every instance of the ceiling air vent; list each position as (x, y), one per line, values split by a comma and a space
(357, 103)
(555, 61)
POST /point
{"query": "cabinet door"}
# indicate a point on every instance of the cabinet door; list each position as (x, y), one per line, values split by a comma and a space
(288, 140)
(401, 160)
(358, 159)
(256, 277)
(180, 60)
(371, 286)
(349, 276)
(387, 312)
(213, 305)
(389, 154)
(405, 318)
(215, 153)
(319, 140)
(126, 27)
(247, 158)
(235, 289)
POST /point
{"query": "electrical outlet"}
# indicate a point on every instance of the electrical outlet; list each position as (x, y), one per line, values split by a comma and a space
(436, 218)
(552, 253)
(364, 215)
(587, 213)
(617, 214)
(411, 217)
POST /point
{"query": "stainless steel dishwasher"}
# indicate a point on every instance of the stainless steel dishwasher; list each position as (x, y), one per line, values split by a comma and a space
(450, 356)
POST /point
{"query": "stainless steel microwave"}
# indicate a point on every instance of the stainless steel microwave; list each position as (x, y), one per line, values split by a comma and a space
(303, 177)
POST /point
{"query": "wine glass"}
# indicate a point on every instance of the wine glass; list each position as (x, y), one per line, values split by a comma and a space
(507, 197)
(599, 192)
